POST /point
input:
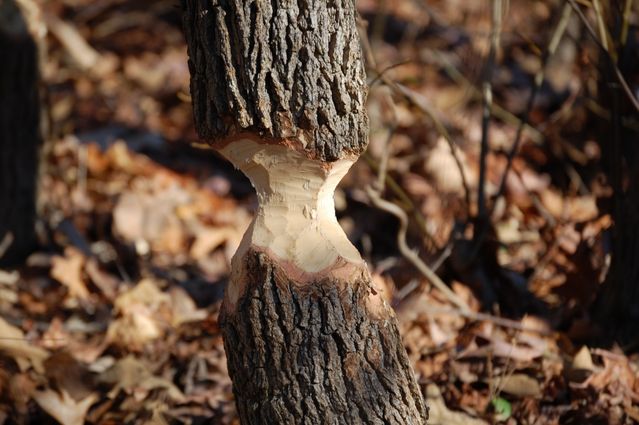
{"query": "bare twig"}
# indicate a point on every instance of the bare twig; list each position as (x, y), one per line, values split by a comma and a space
(85, 56)
(409, 205)
(539, 79)
(383, 72)
(401, 234)
(623, 36)
(496, 110)
(487, 100)
(411, 255)
(383, 162)
(618, 75)
(499, 321)
(418, 102)
(601, 25)
(424, 106)
(482, 218)
(375, 196)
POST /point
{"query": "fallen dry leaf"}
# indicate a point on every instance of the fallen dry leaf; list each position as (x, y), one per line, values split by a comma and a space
(63, 407)
(518, 384)
(132, 375)
(441, 166)
(581, 367)
(67, 374)
(68, 271)
(141, 317)
(183, 308)
(583, 360)
(104, 281)
(150, 217)
(13, 342)
(209, 238)
(440, 414)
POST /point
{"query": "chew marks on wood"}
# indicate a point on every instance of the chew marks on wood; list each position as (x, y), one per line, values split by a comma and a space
(295, 221)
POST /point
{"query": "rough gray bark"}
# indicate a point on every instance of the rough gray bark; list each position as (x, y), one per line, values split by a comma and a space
(289, 72)
(285, 69)
(19, 134)
(315, 355)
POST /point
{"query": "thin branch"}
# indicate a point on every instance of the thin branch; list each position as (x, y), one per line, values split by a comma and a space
(619, 76)
(487, 100)
(411, 255)
(482, 218)
(601, 25)
(555, 39)
(497, 111)
(499, 321)
(383, 72)
(396, 188)
(383, 162)
(424, 106)
(539, 79)
(627, 9)
(82, 53)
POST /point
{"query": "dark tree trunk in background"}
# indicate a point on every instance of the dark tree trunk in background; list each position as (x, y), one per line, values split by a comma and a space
(19, 134)
(279, 88)
(617, 306)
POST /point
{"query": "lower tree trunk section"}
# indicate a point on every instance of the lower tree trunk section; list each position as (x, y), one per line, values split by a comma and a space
(19, 134)
(317, 353)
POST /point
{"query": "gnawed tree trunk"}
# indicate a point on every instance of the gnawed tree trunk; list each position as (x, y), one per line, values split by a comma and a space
(279, 88)
(19, 134)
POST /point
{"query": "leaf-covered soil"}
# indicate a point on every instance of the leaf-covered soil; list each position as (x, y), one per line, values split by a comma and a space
(113, 320)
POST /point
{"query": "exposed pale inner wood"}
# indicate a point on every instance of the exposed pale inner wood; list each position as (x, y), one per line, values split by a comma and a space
(296, 219)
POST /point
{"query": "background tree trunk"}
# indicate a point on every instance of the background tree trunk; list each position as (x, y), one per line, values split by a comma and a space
(20, 136)
(279, 88)
(617, 306)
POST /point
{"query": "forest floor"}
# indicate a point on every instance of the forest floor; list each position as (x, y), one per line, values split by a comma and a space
(114, 319)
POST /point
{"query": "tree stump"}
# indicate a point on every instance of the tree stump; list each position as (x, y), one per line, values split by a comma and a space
(279, 89)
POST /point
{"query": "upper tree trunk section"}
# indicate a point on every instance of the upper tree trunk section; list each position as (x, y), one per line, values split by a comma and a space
(281, 70)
